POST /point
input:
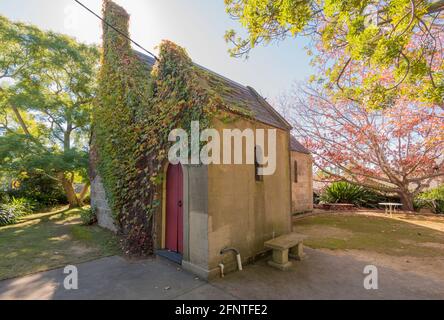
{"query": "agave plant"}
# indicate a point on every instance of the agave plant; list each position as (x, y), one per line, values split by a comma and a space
(344, 192)
(20, 206)
(7, 217)
(11, 211)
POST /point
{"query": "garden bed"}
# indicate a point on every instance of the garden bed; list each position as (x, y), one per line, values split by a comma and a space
(337, 206)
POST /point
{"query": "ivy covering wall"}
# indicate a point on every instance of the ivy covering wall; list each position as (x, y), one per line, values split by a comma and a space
(136, 110)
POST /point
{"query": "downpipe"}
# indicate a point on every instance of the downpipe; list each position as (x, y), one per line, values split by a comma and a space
(238, 256)
(222, 268)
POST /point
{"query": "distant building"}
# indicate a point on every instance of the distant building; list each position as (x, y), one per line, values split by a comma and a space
(301, 178)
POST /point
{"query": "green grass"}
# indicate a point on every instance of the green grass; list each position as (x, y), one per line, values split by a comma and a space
(51, 240)
(381, 235)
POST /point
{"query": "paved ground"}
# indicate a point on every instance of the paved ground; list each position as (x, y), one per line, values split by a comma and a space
(320, 276)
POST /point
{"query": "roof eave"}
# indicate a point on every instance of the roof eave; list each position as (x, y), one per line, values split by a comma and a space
(266, 105)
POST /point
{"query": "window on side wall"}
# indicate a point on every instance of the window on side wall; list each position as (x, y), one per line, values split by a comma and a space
(257, 166)
(296, 172)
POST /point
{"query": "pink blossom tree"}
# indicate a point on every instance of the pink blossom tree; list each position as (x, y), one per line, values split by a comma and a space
(393, 150)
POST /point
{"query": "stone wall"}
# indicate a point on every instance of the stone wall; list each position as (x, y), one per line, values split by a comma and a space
(245, 213)
(196, 220)
(100, 204)
(302, 188)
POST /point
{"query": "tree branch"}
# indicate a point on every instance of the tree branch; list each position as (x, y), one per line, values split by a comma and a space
(21, 121)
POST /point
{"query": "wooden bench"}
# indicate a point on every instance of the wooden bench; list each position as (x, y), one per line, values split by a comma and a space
(289, 245)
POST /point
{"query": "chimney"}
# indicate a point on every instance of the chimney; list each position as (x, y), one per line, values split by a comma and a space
(116, 16)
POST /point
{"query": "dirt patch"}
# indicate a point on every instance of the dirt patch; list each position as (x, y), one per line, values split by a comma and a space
(405, 243)
(435, 222)
(432, 221)
(429, 267)
(80, 250)
(63, 237)
(323, 232)
(433, 245)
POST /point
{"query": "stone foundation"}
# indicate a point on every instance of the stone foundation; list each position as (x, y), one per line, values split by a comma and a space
(100, 204)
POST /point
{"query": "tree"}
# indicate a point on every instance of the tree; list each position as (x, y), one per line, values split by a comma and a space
(46, 95)
(395, 150)
(396, 42)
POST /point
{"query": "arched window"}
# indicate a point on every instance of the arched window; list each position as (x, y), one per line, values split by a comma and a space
(257, 166)
(296, 172)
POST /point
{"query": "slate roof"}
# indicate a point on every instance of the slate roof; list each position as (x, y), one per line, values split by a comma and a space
(296, 146)
(240, 96)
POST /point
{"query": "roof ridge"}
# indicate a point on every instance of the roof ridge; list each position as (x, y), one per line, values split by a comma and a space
(261, 109)
(269, 107)
(221, 76)
(205, 68)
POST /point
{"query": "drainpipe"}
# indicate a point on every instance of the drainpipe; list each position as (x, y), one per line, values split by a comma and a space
(222, 268)
(238, 256)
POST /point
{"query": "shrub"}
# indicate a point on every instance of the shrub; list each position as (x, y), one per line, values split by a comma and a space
(88, 216)
(87, 199)
(316, 198)
(344, 192)
(433, 199)
(439, 206)
(21, 206)
(4, 197)
(419, 204)
(6, 217)
(40, 189)
(14, 209)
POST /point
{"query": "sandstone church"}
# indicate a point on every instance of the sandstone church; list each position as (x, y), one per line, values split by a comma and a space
(208, 208)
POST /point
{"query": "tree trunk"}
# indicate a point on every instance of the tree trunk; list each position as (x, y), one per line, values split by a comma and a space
(69, 190)
(67, 139)
(407, 201)
(84, 192)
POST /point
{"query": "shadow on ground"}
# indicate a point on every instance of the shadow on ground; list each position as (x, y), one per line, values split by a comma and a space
(320, 276)
(51, 240)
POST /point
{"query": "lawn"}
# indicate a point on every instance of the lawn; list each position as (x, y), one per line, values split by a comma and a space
(51, 240)
(369, 233)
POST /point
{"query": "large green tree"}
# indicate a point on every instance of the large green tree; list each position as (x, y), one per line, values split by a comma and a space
(46, 93)
(369, 51)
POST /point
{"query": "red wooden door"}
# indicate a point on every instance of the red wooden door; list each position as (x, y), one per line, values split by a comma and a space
(174, 209)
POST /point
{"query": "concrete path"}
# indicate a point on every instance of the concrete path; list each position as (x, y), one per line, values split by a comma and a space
(320, 276)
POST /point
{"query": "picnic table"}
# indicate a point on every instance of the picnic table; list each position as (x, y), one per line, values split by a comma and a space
(390, 207)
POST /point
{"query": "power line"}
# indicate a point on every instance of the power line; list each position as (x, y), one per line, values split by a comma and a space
(115, 29)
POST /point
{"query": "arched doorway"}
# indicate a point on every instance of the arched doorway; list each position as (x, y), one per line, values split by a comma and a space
(174, 209)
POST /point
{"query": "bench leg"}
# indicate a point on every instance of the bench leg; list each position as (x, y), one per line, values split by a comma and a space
(280, 260)
(297, 252)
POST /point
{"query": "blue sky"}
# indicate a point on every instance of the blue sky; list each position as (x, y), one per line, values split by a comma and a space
(197, 25)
